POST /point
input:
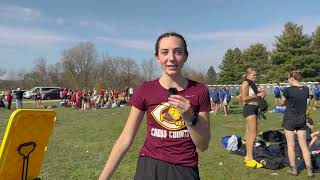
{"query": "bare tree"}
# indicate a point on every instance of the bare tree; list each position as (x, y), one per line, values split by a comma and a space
(149, 69)
(79, 62)
(12, 77)
(40, 71)
(55, 74)
(129, 71)
(192, 74)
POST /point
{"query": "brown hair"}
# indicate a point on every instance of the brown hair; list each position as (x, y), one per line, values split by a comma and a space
(168, 34)
(296, 75)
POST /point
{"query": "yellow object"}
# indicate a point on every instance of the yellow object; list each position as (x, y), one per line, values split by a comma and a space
(31, 127)
(243, 141)
(253, 164)
(245, 159)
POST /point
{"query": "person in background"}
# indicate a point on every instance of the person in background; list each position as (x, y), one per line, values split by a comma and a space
(226, 100)
(283, 88)
(250, 113)
(9, 99)
(2, 105)
(177, 122)
(130, 92)
(317, 95)
(124, 95)
(221, 96)
(216, 100)
(116, 95)
(3, 94)
(277, 94)
(19, 96)
(294, 120)
(61, 95)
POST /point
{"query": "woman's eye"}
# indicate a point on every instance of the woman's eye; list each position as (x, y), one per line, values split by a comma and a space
(164, 52)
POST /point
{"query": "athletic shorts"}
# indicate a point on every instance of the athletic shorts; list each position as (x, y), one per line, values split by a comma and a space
(277, 96)
(152, 169)
(249, 109)
(294, 122)
(317, 97)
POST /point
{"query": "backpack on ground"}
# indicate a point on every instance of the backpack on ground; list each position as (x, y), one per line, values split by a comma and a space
(269, 159)
(225, 140)
(273, 136)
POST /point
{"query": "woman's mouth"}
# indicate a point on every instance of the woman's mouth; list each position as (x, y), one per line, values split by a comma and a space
(172, 67)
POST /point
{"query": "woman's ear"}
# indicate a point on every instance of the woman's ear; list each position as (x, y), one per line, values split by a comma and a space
(157, 59)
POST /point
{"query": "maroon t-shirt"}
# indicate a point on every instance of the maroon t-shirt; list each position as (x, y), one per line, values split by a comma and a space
(168, 138)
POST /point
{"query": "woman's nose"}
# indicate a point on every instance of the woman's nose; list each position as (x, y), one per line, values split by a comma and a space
(171, 56)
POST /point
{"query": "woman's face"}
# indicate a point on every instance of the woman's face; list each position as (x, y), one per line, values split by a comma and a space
(252, 75)
(171, 55)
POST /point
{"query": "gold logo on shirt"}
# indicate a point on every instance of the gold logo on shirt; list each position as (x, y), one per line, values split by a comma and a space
(168, 117)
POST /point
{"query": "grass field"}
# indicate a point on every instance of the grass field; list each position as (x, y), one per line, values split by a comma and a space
(82, 140)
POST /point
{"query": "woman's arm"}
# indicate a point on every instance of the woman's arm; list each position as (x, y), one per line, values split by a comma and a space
(282, 101)
(200, 132)
(123, 143)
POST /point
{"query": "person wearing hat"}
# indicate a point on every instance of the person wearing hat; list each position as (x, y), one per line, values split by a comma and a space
(19, 97)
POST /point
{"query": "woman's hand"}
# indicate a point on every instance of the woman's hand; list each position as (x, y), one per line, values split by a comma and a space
(183, 105)
(262, 92)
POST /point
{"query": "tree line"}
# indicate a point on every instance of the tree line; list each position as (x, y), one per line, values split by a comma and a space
(293, 50)
(81, 67)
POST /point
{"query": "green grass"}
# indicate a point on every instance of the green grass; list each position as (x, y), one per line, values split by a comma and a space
(82, 140)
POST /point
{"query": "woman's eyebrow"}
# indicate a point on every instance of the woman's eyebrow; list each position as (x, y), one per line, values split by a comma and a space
(177, 48)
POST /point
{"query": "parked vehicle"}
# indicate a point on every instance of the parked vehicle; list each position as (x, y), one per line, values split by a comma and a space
(29, 93)
(51, 94)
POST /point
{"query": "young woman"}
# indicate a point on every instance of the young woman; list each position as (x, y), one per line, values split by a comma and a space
(177, 125)
(294, 121)
(250, 112)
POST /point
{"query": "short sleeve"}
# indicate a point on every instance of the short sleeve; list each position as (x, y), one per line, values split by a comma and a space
(286, 93)
(138, 100)
(204, 101)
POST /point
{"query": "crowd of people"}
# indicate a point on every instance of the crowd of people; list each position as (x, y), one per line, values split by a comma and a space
(87, 99)
(79, 99)
(220, 98)
(7, 95)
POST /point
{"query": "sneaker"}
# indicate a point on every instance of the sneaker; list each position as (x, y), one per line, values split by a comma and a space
(253, 164)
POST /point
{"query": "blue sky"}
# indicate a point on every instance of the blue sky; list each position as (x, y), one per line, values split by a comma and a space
(32, 29)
